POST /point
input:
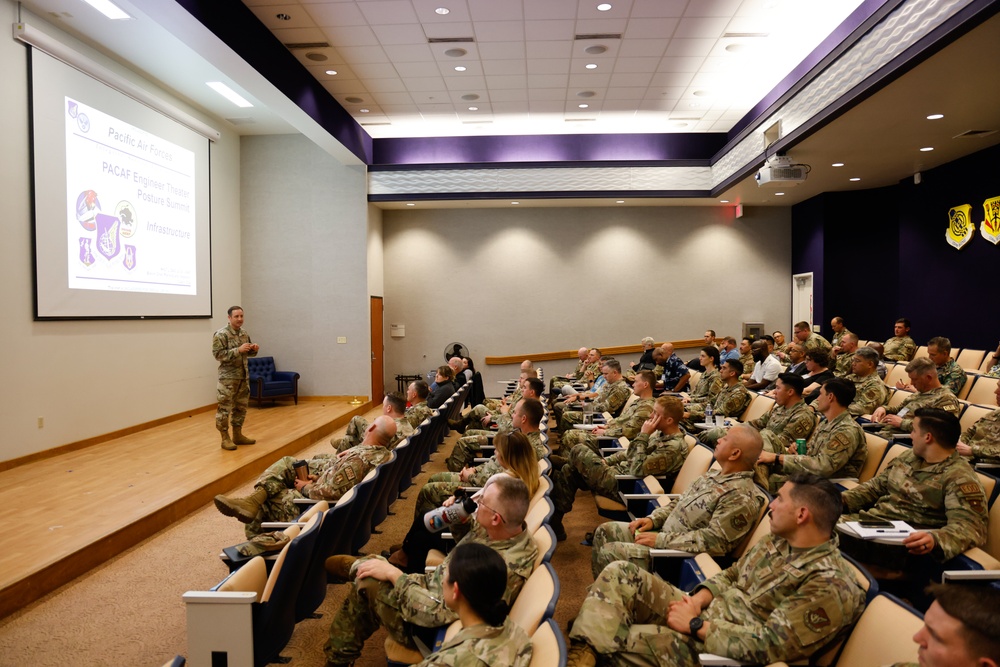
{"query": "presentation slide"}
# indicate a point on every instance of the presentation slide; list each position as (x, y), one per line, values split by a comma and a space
(122, 201)
(130, 209)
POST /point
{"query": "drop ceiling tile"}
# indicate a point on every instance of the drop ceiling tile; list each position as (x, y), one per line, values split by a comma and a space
(545, 106)
(540, 94)
(501, 50)
(625, 93)
(495, 11)
(363, 54)
(679, 66)
(702, 28)
(580, 47)
(724, 66)
(268, 15)
(665, 92)
(517, 107)
(341, 36)
(539, 31)
(590, 80)
(448, 30)
(424, 84)
(337, 14)
(508, 95)
(456, 97)
(547, 80)
(471, 52)
(436, 109)
(388, 12)
(689, 48)
(400, 110)
(392, 99)
(507, 83)
(325, 58)
(724, 8)
(721, 126)
(601, 26)
(345, 87)
(375, 71)
(499, 31)
(619, 106)
(548, 66)
(658, 8)
(401, 53)
(550, 9)
(431, 97)
(417, 70)
(299, 35)
(465, 83)
(342, 72)
(458, 8)
(636, 65)
(643, 48)
(549, 49)
(501, 67)
(632, 79)
(400, 34)
(473, 68)
(657, 105)
(619, 10)
(647, 28)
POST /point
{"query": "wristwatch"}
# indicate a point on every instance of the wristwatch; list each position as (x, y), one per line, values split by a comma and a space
(695, 626)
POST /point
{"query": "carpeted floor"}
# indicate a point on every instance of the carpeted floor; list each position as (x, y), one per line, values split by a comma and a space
(129, 611)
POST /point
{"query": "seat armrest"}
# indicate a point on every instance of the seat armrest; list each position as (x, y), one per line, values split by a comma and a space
(669, 553)
(969, 575)
(844, 480)
(304, 501)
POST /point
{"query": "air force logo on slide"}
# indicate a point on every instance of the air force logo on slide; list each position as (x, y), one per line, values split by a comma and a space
(107, 235)
(129, 261)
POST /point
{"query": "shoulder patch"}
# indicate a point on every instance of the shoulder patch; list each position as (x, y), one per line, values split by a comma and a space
(739, 522)
(817, 619)
(970, 488)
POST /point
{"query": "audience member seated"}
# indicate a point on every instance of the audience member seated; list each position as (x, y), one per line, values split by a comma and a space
(514, 456)
(766, 368)
(627, 424)
(796, 358)
(843, 354)
(839, 331)
(559, 381)
(445, 388)
(645, 362)
(809, 339)
(981, 441)
(469, 447)
(780, 345)
(610, 398)
(900, 348)
(931, 394)
(787, 421)
(728, 350)
(393, 406)
(674, 374)
(961, 628)
(880, 351)
(932, 488)
(329, 477)
(994, 371)
(382, 595)
(746, 356)
(869, 390)
(710, 384)
(950, 374)
(731, 400)
(787, 598)
(492, 410)
(712, 516)
(416, 395)
(662, 454)
(818, 367)
(473, 587)
(837, 447)
(709, 338)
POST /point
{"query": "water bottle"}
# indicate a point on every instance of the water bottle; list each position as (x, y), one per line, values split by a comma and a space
(709, 411)
(456, 513)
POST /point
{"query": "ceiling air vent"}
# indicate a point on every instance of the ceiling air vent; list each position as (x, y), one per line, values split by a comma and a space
(308, 45)
(450, 40)
(241, 121)
(743, 35)
(373, 124)
(599, 35)
(974, 134)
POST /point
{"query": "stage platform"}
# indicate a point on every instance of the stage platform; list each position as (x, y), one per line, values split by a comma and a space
(69, 513)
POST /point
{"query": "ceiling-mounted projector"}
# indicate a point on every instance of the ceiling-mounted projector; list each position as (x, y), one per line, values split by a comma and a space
(779, 170)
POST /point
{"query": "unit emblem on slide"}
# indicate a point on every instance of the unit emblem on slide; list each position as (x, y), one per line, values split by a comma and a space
(87, 208)
(86, 257)
(129, 261)
(126, 213)
(107, 235)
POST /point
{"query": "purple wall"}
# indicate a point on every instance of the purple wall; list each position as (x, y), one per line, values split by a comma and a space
(884, 255)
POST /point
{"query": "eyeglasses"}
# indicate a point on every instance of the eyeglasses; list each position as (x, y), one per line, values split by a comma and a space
(482, 504)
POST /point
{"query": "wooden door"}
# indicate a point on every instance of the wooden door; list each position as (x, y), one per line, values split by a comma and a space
(378, 349)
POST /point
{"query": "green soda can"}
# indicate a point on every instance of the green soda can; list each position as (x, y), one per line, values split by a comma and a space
(800, 445)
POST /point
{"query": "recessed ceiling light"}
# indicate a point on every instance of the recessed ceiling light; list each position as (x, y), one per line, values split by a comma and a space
(331, 72)
(935, 116)
(470, 97)
(595, 49)
(723, 201)
(109, 9)
(473, 108)
(604, 6)
(779, 194)
(455, 53)
(515, 203)
(586, 93)
(855, 179)
(283, 16)
(620, 201)
(591, 65)
(926, 149)
(681, 124)
(583, 106)
(354, 100)
(364, 110)
(442, 11)
(459, 69)
(317, 57)
(701, 93)
(411, 204)
(735, 47)
(837, 164)
(228, 93)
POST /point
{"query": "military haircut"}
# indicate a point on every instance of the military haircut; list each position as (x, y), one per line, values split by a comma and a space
(532, 409)
(713, 352)
(735, 364)
(530, 373)
(536, 385)
(613, 364)
(868, 354)
(795, 382)
(446, 371)
(820, 356)
(905, 322)
(801, 326)
(975, 607)
(513, 498)
(232, 308)
(820, 496)
(597, 350)
(658, 353)
(838, 320)
(729, 340)
(768, 338)
(942, 425)
(396, 402)
(648, 376)
(941, 343)
(711, 331)
(777, 333)
(850, 335)
(672, 406)
(841, 389)
(758, 345)
(481, 575)
(922, 366)
(751, 443)
(422, 389)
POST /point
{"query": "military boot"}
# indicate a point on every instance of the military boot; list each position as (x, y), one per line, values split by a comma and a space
(339, 568)
(227, 443)
(458, 424)
(241, 439)
(555, 523)
(581, 655)
(244, 509)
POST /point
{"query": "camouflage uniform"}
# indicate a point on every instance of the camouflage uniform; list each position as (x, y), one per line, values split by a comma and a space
(708, 387)
(748, 362)
(843, 367)
(484, 646)
(558, 382)
(945, 497)
(837, 448)
(779, 427)
(731, 401)
(939, 397)
(627, 424)
(870, 393)
(335, 477)
(355, 433)
(610, 398)
(416, 414)
(816, 342)
(493, 406)
(775, 604)
(661, 455)
(415, 599)
(899, 348)
(233, 389)
(442, 485)
(984, 437)
(952, 376)
(839, 337)
(712, 517)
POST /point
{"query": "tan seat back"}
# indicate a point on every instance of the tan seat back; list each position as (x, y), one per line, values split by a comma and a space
(989, 483)
(697, 462)
(537, 595)
(754, 536)
(982, 391)
(992, 546)
(292, 533)
(251, 578)
(758, 407)
(921, 352)
(547, 648)
(897, 372)
(972, 414)
(893, 452)
(876, 449)
(536, 514)
(882, 636)
(898, 397)
(542, 538)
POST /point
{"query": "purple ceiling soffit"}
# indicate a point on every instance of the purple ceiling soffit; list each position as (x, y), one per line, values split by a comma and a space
(502, 151)
(847, 33)
(552, 194)
(233, 23)
(969, 17)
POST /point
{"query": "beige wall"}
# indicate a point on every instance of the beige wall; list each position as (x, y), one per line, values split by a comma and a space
(507, 282)
(86, 378)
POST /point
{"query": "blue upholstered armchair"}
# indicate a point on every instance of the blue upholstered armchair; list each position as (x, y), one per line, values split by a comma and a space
(266, 382)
